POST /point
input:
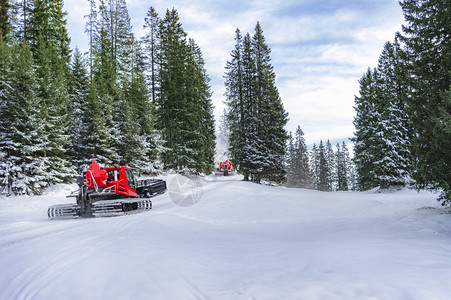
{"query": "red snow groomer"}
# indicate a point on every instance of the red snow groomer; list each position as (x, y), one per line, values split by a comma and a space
(225, 168)
(106, 191)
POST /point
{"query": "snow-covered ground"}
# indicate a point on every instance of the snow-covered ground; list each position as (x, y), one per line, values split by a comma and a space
(238, 241)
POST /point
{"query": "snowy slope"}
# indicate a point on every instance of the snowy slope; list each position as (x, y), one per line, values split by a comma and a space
(239, 241)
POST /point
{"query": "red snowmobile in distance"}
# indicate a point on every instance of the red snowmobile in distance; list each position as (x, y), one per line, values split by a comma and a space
(225, 168)
(108, 191)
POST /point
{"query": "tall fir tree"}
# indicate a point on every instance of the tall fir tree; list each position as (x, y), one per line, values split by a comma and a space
(314, 166)
(367, 147)
(21, 168)
(183, 100)
(394, 132)
(323, 169)
(151, 41)
(256, 110)
(331, 166)
(53, 97)
(6, 14)
(428, 46)
(298, 171)
(342, 159)
(78, 105)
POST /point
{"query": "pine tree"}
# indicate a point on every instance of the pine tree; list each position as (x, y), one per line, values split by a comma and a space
(103, 94)
(342, 159)
(199, 96)
(53, 94)
(48, 25)
(171, 101)
(298, 172)
(256, 114)
(78, 122)
(183, 101)
(323, 169)
(270, 114)
(6, 8)
(22, 24)
(367, 145)
(394, 165)
(236, 114)
(91, 30)
(21, 170)
(331, 166)
(427, 43)
(151, 41)
(314, 166)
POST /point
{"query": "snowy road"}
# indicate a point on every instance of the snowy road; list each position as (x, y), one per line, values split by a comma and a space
(239, 241)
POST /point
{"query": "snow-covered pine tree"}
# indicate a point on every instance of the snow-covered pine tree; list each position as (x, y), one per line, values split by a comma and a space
(199, 97)
(367, 145)
(21, 22)
(342, 167)
(331, 166)
(256, 114)
(269, 113)
(314, 166)
(49, 43)
(395, 163)
(235, 114)
(298, 172)
(78, 123)
(53, 97)
(21, 170)
(428, 46)
(6, 14)
(103, 93)
(151, 42)
(91, 31)
(350, 168)
(323, 169)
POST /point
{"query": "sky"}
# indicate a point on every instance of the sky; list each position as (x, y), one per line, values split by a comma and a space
(319, 49)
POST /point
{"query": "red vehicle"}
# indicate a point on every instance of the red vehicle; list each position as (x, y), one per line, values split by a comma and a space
(225, 167)
(107, 191)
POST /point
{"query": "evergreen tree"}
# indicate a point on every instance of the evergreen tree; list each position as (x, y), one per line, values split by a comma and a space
(331, 167)
(426, 37)
(104, 91)
(314, 166)
(394, 164)
(202, 111)
(342, 160)
(367, 144)
(183, 101)
(78, 122)
(171, 102)
(298, 172)
(48, 26)
(323, 169)
(256, 110)
(22, 24)
(21, 170)
(53, 94)
(6, 8)
(151, 41)
(91, 30)
(236, 114)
